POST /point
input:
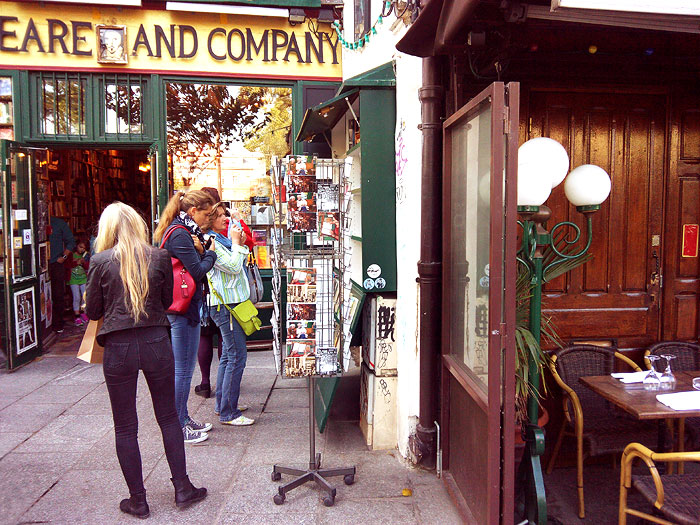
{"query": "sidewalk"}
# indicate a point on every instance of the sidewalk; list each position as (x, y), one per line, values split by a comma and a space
(58, 463)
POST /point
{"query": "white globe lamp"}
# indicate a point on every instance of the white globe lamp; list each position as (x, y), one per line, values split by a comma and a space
(587, 187)
(548, 155)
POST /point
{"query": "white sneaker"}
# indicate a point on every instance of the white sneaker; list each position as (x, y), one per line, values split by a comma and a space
(240, 421)
(193, 436)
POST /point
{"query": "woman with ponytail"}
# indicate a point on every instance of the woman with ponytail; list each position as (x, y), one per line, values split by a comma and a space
(181, 225)
(130, 286)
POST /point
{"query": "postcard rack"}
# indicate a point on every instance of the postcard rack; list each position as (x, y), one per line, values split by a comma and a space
(310, 244)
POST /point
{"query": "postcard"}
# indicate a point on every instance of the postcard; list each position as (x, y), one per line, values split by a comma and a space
(301, 311)
(329, 225)
(301, 330)
(304, 202)
(327, 196)
(304, 293)
(301, 276)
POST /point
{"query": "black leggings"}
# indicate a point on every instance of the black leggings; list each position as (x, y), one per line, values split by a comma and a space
(125, 353)
(205, 352)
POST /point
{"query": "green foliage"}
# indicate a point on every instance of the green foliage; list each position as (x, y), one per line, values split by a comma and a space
(273, 139)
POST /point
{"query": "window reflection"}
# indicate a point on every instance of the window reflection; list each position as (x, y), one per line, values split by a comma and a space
(63, 106)
(123, 108)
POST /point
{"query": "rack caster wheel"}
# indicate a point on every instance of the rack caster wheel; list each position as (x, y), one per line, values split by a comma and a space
(279, 499)
(349, 479)
(328, 501)
(276, 476)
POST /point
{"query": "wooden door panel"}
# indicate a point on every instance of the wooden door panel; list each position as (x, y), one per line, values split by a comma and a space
(681, 274)
(624, 134)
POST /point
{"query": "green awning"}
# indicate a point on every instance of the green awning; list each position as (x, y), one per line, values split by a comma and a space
(381, 76)
(324, 117)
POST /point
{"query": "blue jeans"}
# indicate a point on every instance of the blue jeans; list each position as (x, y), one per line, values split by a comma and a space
(231, 365)
(185, 341)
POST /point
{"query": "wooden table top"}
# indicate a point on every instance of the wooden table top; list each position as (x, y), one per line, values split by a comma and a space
(641, 403)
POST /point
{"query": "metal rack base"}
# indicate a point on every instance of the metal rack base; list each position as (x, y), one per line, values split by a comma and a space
(314, 473)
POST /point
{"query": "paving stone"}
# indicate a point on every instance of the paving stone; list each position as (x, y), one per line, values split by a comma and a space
(69, 434)
(7, 400)
(103, 455)
(164, 511)
(253, 489)
(25, 477)
(211, 466)
(286, 400)
(81, 496)
(344, 437)
(61, 394)
(292, 382)
(10, 440)
(81, 374)
(432, 504)
(18, 418)
(374, 511)
(288, 518)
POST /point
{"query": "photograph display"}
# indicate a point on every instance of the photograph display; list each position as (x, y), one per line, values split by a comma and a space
(301, 311)
(112, 40)
(329, 225)
(303, 202)
(304, 293)
(327, 196)
(301, 276)
(301, 330)
(327, 361)
(25, 320)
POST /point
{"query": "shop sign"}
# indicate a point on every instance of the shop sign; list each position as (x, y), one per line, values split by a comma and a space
(39, 36)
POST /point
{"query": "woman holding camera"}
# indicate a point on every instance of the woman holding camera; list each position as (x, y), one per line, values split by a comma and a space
(180, 232)
(228, 286)
(130, 286)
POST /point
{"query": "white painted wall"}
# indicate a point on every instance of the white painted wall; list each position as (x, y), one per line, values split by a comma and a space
(380, 50)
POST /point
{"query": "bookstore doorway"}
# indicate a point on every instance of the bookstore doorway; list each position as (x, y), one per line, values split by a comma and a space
(76, 186)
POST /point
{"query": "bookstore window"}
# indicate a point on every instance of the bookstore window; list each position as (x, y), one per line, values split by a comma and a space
(223, 136)
(62, 104)
(123, 104)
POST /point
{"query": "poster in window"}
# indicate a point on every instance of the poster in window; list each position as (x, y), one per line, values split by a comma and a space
(25, 320)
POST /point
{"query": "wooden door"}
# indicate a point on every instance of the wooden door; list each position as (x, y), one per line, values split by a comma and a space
(616, 295)
(681, 271)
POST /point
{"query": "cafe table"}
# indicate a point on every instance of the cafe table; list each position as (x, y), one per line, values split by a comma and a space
(643, 405)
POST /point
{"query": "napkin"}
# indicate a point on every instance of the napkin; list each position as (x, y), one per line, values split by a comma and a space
(630, 377)
(681, 400)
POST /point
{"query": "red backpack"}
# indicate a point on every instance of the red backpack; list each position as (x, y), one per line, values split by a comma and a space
(184, 286)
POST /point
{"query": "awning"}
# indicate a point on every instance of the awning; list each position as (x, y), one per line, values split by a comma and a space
(321, 118)
(438, 24)
(324, 117)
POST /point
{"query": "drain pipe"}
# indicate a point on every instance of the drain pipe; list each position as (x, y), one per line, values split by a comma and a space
(431, 94)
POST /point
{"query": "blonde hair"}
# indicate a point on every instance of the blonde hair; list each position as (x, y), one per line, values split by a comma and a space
(124, 230)
(181, 201)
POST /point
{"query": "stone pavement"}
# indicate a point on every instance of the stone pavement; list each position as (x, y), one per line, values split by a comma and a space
(58, 463)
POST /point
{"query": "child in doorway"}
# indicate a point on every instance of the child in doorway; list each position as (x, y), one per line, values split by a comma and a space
(77, 263)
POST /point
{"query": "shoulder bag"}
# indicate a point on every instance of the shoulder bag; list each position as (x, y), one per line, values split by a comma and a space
(245, 313)
(183, 283)
(254, 280)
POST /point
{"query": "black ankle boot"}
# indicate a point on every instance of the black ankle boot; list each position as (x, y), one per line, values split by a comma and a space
(186, 493)
(136, 505)
(203, 390)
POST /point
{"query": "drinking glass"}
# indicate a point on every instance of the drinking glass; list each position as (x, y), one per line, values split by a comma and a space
(667, 381)
(696, 383)
(651, 380)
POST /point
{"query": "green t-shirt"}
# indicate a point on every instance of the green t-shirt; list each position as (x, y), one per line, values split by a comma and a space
(77, 274)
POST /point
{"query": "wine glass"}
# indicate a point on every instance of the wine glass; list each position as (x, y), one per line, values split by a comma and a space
(696, 383)
(667, 381)
(651, 380)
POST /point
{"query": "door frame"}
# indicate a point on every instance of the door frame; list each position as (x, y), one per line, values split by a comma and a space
(504, 101)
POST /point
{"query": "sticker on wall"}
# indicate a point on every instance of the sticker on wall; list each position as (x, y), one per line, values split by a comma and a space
(380, 283)
(17, 243)
(27, 236)
(690, 240)
(374, 271)
(484, 281)
(369, 284)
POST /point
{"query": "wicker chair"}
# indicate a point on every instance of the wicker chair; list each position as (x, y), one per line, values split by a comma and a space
(605, 429)
(674, 497)
(687, 354)
(687, 359)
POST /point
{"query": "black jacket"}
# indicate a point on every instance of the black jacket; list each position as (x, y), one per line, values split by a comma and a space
(104, 293)
(181, 246)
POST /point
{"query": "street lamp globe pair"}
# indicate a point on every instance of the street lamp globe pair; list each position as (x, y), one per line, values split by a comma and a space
(542, 166)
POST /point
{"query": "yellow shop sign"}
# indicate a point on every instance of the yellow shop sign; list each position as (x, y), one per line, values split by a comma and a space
(41, 36)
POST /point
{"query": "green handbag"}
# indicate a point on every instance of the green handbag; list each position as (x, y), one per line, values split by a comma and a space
(247, 316)
(245, 313)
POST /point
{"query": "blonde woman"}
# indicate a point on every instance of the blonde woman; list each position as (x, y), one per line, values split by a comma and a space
(134, 333)
(181, 224)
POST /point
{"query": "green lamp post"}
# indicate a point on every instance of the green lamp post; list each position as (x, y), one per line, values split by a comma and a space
(542, 165)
